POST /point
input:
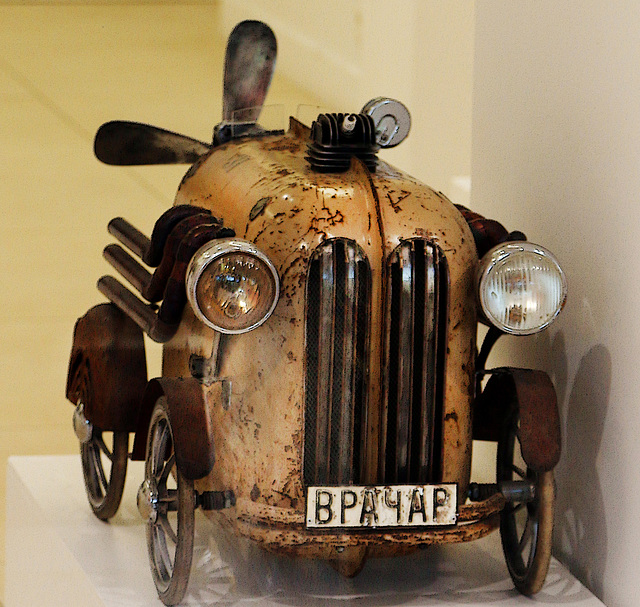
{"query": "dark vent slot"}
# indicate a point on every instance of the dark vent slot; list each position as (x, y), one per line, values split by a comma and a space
(417, 283)
(336, 340)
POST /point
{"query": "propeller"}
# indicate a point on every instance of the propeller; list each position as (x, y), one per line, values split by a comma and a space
(131, 143)
(248, 68)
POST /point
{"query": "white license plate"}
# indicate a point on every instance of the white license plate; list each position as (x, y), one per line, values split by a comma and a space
(382, 506)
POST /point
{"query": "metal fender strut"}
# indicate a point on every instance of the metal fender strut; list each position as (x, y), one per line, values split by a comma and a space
(531, 395)
(190, 424)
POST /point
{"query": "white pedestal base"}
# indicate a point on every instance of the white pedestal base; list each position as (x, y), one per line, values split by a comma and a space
(59, 554)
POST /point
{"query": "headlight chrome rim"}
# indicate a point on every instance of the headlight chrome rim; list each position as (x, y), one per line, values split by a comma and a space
(213, 251)
(497, 255)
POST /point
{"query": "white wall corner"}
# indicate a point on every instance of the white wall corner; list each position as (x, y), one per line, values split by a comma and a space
(556, 154)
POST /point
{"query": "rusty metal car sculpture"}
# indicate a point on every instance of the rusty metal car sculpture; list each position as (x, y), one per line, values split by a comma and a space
(321, 385)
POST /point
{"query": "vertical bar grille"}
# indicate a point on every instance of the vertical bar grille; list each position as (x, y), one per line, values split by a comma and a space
(415, 348)
(337, 326)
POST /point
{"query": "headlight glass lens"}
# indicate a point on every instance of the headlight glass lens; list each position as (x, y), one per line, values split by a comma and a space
(232, 286)
(522, 287)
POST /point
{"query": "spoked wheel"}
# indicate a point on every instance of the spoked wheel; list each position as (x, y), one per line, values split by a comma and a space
(526, 527)
(166, 501)
(103, 455)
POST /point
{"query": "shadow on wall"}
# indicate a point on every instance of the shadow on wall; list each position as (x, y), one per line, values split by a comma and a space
(581, 535)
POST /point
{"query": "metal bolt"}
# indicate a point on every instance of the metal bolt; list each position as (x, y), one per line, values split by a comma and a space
(518, 491)
(349, 123)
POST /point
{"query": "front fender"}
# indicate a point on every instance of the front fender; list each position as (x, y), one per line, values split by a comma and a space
(190, 423)
(530, 395)
(108, 348)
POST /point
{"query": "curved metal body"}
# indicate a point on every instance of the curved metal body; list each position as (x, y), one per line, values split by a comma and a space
(258, 384)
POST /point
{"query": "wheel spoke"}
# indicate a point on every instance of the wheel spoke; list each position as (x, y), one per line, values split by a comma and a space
(514, 508)
(103, 447)
(519, 471)
(166, 469)
(160, 444)
(167, 565)
(102, 485)
(91, 476)
(526, 536)
(166, 445)
(154, 458)
(168, 529)
(161, 553)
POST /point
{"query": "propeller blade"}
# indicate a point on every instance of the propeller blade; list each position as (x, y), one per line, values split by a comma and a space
(131, 143)
(248, 67)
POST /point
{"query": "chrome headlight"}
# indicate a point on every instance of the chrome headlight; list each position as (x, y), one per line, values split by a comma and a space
(232, 286)
(522, 287)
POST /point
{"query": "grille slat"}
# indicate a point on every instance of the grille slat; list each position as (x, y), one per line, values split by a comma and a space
(344, 353)
(324, 395)
(337, 320)
(417, 282)
(404, 384)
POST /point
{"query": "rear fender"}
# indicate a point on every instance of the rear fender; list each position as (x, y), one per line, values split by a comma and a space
(530, 395)
(190, 423)
(110, 347)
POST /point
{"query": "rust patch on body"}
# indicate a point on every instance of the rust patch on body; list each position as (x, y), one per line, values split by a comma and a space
(288, 144)
(259, 207)
(235, 161)
(331, 219)
(452, 416)
(395, 201)
(255, 493)
(283, 530)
